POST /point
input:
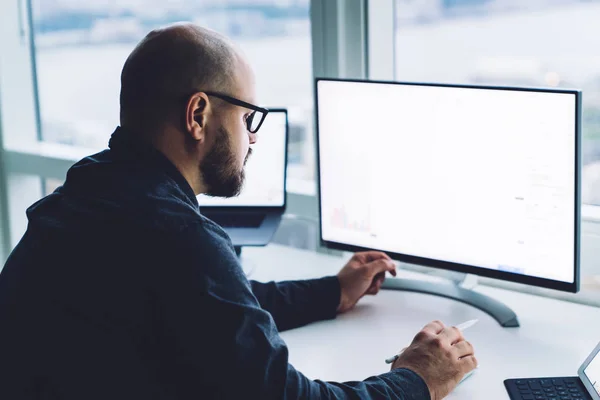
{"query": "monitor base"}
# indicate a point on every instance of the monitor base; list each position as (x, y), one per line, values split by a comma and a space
(505, 316)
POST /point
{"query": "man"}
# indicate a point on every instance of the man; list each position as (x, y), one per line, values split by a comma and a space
(121, 289)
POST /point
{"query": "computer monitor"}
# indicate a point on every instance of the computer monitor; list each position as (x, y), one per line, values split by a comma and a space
(252, 218)
(480, 180)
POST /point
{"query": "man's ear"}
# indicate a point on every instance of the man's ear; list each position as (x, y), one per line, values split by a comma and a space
(196, 115)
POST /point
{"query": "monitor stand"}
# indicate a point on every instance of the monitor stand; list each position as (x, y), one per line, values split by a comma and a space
(460, 291)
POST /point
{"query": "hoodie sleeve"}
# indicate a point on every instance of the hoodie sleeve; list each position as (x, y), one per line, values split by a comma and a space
(225, 341)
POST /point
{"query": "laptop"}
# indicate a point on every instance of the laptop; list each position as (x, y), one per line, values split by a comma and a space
(252, 218)
(584, 386)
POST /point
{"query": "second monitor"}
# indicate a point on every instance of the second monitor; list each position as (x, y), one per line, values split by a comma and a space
(252, 218)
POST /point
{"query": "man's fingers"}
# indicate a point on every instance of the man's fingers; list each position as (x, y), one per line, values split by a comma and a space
(468, 363)
(452, 334)
(380, 265)
(463, 349)
(373, 290)
(376, 284)
(434, 327)
(368, 256)
(380, 277)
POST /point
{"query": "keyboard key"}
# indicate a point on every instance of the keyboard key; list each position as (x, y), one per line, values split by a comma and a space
(574, 390)
(557, 381)
(545, 382)
(540, 397)
(521, 382)
(549, 390)
(535, 385)
(537, 392)
(563, 393)
(560, 387)
(527, 397)
(576, 396)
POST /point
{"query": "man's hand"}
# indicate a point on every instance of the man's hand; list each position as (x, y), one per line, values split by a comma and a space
(441, 356)
(364, 274)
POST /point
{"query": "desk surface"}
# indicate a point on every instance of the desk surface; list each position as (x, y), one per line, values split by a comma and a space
(553, 340)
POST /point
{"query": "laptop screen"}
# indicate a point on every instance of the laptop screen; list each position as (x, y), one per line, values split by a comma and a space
(265, 169)
(592, 372)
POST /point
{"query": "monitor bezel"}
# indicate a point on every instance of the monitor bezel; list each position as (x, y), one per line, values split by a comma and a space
(572, 287)
(584, 378)
(257, 208)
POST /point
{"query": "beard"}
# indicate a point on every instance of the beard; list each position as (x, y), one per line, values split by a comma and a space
(219, 168)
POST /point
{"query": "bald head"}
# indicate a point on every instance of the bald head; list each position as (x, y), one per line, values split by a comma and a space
(169, 65)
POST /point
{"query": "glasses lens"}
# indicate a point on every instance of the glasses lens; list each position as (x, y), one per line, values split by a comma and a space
(254, 121)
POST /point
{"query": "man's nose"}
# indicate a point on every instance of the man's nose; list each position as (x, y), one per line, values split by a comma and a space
(253, 137)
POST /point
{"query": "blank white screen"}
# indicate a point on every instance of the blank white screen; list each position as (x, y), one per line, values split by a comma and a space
(480, 177)
(265, 169)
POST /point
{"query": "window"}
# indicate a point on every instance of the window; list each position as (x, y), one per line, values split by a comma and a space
(80, 48)
(59, 81)
(513, 42)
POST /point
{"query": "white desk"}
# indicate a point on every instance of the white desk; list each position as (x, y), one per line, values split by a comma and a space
(553, 340)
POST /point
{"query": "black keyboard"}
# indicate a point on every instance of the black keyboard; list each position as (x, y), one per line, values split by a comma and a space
(569, 388)
(237, 220)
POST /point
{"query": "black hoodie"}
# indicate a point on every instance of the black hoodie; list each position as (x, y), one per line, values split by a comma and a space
(121, 289)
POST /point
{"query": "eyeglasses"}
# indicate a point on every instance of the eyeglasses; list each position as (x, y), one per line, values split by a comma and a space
(254, 120)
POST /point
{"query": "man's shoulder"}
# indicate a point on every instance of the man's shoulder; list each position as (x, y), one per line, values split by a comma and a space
(207, 236)
(131, 192)
(205, 251)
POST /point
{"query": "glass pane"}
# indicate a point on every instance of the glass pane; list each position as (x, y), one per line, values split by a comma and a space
(546, 43)
(81, 47)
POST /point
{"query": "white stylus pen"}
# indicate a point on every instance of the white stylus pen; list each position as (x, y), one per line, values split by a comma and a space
(460, 327)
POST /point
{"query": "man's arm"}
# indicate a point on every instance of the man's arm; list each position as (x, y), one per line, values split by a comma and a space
(296, 303)
(224, 345)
